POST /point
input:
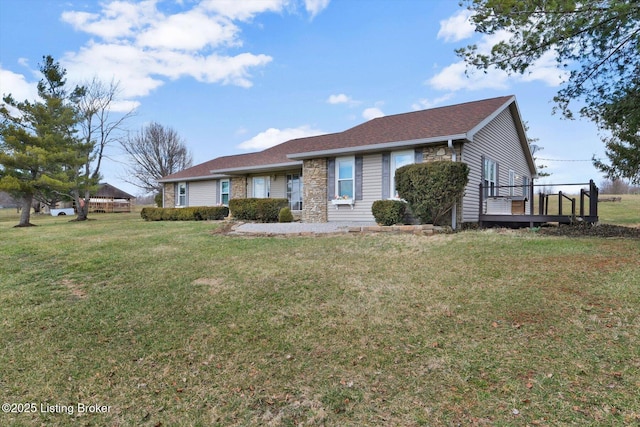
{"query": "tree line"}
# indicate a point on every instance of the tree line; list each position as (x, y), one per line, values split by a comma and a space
(53, 148)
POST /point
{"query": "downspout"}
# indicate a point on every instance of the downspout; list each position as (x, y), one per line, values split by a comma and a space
(454, 210)
(163, 195)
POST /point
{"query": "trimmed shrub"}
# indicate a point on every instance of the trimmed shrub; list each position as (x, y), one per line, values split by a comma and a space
(254, 209)
(388, 212)
(285, 215)
(243, 209)
(197, 213)
(268, 209)
(145, 213)
(210, 213)
(431, 189)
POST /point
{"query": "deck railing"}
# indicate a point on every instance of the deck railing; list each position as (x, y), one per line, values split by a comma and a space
(551, 205)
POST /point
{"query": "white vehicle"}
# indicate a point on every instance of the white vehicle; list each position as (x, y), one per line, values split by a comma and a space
(63, 211)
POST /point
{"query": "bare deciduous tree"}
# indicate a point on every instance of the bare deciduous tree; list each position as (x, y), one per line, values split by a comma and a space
(154, 152)
(100, 126)
(616, 186)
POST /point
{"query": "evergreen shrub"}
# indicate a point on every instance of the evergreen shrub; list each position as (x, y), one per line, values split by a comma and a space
(255, 209)
(196, 213)
(285, 215)
(432, 189)
(388, 212)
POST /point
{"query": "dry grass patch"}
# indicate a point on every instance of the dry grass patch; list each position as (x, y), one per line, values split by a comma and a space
(215, 284)
(77, 290)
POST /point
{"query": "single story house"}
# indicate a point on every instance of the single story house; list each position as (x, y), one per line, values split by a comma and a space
(338, 176)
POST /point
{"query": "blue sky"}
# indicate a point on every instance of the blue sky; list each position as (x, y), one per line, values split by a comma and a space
(237, 76)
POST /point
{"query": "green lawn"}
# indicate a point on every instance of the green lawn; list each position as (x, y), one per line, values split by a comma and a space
(168, 323)
(626, 212)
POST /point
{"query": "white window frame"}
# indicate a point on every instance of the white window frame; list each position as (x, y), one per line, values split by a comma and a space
(267, 187)
(293, 204)
(394, 166)
(490, 182)
(182, 197)
(525, 186)
(512, 182)
(352, 160)
(222, 193)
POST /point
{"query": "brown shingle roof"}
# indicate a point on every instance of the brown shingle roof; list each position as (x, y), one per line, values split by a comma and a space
(108, 190)
(439, 122)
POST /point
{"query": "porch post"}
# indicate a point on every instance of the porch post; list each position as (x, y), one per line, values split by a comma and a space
(593, 199)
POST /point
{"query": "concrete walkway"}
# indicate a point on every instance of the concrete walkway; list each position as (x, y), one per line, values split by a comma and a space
(299, 228)
(324, 228)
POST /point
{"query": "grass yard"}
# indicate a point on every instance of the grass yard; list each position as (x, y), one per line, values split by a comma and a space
(168, 323)
(626, 212)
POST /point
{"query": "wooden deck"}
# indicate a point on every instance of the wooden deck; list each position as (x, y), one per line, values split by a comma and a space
(549, 209)
(521, 221)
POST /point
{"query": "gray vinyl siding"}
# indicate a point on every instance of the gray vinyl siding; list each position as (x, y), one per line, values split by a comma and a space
(371, 191)
(278, 189)
(499, 142)
(202, 193)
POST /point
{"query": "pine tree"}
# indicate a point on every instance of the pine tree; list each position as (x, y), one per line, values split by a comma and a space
(39, 149)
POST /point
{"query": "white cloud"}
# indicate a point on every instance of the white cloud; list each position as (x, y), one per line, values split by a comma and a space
(546, 70)
(424, 103)
(453, 78)
(273, 136)
(125, 64)
(17, 86)
(372, 113)
(457, 27)
(458, 76)
(314, 7)
(142, 46)
(136, 70)
(123, 106)
(116, 19)
(340, 98)
(192, 31)
(243, 10)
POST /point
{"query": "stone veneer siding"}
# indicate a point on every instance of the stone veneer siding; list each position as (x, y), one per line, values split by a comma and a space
(169, 195)
(238, 188)
(439, 152)
(314, 190)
